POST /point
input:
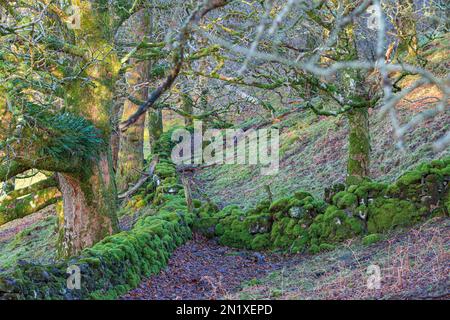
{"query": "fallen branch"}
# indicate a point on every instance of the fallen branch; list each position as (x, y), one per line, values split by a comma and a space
(142, 180)
(40, 185)
(28, 205)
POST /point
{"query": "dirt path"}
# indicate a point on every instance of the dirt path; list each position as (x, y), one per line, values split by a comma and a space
(202, 269)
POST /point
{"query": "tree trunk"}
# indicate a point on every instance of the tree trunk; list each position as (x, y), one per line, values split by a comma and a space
(359, 146)
(115, 135)
(89, 206)
(406, 29)
(19, 208)
(90, 195)
(188, 108)
(155, 126)
(131, 152)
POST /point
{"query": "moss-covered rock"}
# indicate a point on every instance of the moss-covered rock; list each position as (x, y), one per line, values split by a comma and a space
(278, 226)
(261, 242)
(388, 214)
(334, 226)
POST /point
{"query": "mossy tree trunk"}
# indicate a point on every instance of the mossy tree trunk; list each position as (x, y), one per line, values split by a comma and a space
(188, 108)
(89, 207)
(115, 135)
(131, 151)
(405, 25)
(358, 116)
(13, 209)
(359, 146)
(155, 126)
(25, 201)
(155, 117)
(90, 196)
(87, 184)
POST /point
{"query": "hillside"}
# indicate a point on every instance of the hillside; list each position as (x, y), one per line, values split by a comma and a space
(313, 156)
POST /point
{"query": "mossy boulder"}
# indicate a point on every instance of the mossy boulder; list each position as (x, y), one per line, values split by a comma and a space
(334, 226)
(388, 214)
(280, 205)
(261, 242)
(345, 200)
(261, 223)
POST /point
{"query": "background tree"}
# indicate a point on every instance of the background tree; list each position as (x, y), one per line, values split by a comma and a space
(131, 152)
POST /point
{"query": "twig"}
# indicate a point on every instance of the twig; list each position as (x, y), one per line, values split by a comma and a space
(141, 181)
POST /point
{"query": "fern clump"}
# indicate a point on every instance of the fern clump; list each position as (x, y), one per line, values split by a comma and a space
(63, 136)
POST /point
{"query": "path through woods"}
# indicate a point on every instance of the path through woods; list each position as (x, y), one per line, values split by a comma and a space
(202, 269)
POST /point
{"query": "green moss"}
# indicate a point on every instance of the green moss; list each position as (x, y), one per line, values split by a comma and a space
(334, 226)
(388, 214)
(280, 205)
(371, 238)
(37, 242)
(326, 247)
(206, 226)
(301, 194)
(410, 178)
(369, 189)
(165, 170)
(345, 200)
(261, 242)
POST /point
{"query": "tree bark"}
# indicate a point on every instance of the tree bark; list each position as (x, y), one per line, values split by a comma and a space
(187, 193)
(188, 108)
(131, 150)
(89, 208)
(89, 194)
(359, 146)
(115, 135)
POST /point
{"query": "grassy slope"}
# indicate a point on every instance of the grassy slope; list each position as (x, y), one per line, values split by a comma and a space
(313, 155)
(32, 238)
